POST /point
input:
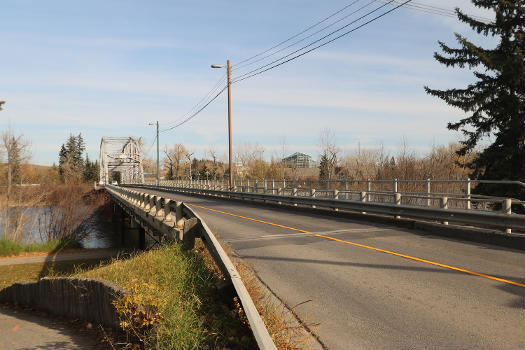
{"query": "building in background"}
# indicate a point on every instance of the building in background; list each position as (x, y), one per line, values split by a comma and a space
(299, 160)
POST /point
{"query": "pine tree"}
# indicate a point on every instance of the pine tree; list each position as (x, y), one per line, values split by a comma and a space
(495, 102)
(324, 168)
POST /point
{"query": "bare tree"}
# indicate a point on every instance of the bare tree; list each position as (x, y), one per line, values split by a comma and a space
(329, 149)
(16, 149)
(175, 158)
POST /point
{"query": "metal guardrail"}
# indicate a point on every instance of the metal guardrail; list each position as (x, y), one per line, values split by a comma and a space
(504, 219)
(177, 221)
(351, 189)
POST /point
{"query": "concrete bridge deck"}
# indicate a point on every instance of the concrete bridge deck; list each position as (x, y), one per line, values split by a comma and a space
(364, 298)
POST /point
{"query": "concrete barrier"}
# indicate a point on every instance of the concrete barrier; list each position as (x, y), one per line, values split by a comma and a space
(74, 298)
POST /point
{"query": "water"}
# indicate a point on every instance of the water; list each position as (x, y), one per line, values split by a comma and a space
(99, 231)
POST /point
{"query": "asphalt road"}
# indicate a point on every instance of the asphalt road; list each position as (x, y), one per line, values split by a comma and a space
(368, 299)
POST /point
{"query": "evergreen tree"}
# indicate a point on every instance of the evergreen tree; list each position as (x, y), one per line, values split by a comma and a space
(324, 168)
(495, 102)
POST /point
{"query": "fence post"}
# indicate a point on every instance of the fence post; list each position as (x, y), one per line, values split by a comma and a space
(443, 204)
(273, 186)
(336, 194)
(368, 188)
(428, 193)
(346, 189)
(265, 186)
(397, 201)
(506, 208)
(467, 190)
(327, 184)
(312, 192)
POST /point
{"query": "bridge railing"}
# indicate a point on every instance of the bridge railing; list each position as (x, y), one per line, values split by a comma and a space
(176, 221)
(429, 207)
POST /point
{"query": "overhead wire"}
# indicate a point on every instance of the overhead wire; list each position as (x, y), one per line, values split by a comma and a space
(244, 76)
(214, 89)
(431, 9)
(308, 36)
(240, 63)
(187, 119)
(261, 68)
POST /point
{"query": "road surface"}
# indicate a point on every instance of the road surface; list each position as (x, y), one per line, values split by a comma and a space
(376, 286)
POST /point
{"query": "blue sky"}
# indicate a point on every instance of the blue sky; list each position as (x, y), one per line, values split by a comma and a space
(107, 68)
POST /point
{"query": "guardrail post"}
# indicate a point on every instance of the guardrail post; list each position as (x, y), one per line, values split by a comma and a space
(284, 184)
(394, 187)
(506, 208)
(397, 201)
(368, 188)
(327, 184)
(336, 194)
(265, 186)
(362, 197)
(467, 192)
(273, 186)
(346, 189)
(294, 193)
(312, 192)
(428, 193)
(443, 204)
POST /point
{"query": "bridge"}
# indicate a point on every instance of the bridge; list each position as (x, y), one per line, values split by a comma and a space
(397, 273)
(120, 160)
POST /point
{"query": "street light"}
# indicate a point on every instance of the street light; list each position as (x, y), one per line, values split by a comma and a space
(228, 69)
(157, 123)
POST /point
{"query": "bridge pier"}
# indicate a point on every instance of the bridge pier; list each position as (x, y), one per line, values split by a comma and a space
(142, 238)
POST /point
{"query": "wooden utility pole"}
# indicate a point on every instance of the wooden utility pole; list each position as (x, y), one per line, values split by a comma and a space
(228, 68)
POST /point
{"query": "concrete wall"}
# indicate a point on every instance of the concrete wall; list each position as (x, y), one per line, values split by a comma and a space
(75, 298)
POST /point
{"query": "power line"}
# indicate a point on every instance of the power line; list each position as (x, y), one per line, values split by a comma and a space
(308, 36)
(296, 35)
(196, 106)
(250, 73)
(441, 11)
(243, 77)
(325, 43)
(197, 112)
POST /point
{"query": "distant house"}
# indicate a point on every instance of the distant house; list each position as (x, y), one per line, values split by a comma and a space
(299, 160)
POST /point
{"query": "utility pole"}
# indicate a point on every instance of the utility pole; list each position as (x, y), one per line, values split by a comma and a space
(228, 68)
(158, 166)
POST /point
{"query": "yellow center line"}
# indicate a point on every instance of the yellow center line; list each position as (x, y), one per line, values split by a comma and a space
(368, 247)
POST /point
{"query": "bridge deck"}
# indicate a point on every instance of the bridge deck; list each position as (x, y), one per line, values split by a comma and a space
(364, 298)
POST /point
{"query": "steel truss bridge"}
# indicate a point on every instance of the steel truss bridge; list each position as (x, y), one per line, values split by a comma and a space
(121, 159)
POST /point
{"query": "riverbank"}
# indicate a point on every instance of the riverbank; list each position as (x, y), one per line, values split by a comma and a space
(9, 248)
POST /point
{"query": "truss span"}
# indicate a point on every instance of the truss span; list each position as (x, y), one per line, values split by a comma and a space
(121, 160)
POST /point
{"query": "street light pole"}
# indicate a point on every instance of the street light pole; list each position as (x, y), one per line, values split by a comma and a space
(228, 69)
(158, 164)
(158, 168)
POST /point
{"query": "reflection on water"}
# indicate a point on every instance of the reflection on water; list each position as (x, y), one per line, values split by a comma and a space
(102, 230)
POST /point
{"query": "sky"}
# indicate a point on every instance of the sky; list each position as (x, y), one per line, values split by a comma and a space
(108, 68)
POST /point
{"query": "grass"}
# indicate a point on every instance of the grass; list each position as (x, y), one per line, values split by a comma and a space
(178, 289)
(10, 274)
(8, 247)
